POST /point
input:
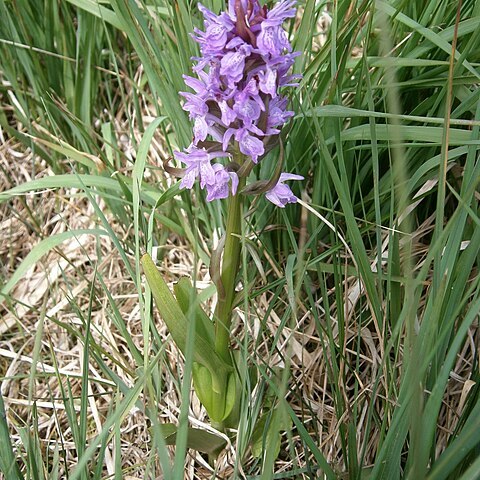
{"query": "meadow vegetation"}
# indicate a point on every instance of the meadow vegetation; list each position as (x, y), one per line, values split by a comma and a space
(357, 308)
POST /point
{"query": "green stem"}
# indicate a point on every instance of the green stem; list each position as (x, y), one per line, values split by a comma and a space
(230, 265)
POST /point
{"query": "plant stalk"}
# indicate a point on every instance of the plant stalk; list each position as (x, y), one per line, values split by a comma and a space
(230, 266)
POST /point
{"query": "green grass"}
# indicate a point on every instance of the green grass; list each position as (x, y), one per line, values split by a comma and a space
(374, 347)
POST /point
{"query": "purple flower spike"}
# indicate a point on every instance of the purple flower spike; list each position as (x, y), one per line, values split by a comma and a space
(281, 194)
(236, 103)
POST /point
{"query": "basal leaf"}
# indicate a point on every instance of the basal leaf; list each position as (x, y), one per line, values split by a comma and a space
(197, 439)
(177, 323)
(187, 299)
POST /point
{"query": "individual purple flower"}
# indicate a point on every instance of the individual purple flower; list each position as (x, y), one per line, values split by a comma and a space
(272, 37)
(195, 104)
(282, 194)
(199, 165)
(233, 64)
(267, 81)
(228, 115)
(282, 65)
(278, 113)
(248, 143)
(196, 84)
(280, 12)
(217, 28)
(200, 129)
(250, 91)
(248, 110)
(220, 187)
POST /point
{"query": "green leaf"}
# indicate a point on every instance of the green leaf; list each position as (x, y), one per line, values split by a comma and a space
(77, 181)
(8, 465)
(339, 111)
(168, 194)
(231, 395)
(473, 472)
(87, 159)
(468, 439)
(43, 247)
(187, 298)
(243, 375)
(197, 439)
(202, 382)
(427, 135)
(268, 432)
(177, 323)
(96, 9)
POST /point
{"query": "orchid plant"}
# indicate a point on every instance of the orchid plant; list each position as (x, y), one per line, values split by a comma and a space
(238, 109)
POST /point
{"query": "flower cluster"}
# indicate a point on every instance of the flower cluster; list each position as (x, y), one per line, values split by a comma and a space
(236, 100)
